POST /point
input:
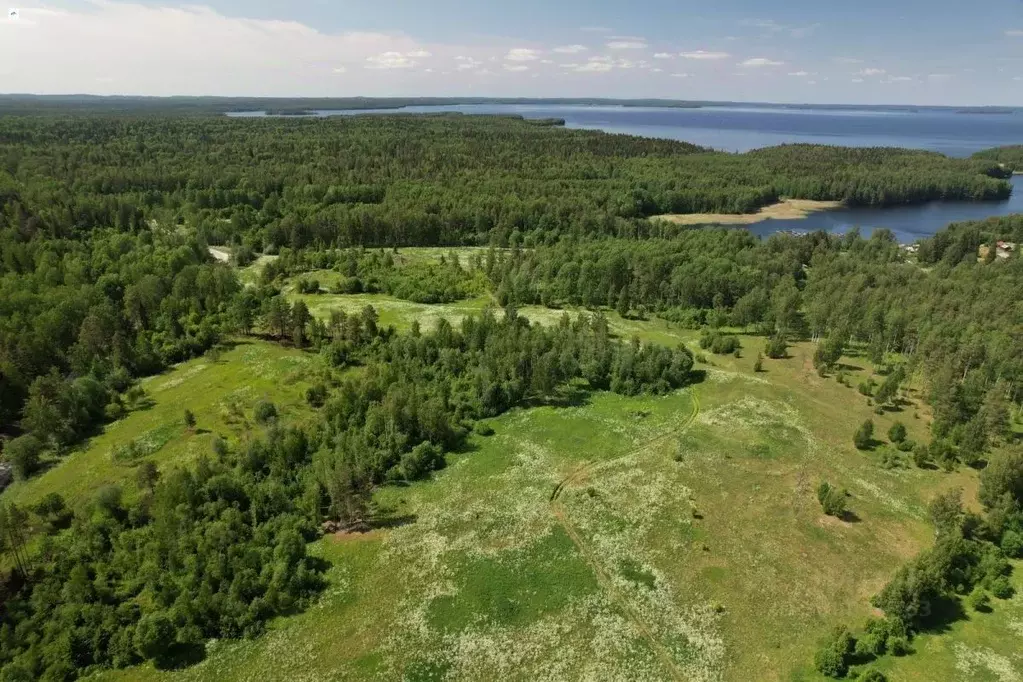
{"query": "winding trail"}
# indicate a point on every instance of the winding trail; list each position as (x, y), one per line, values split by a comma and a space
(603, 578)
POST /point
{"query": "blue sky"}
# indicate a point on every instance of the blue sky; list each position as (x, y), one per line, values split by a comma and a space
(899, 51)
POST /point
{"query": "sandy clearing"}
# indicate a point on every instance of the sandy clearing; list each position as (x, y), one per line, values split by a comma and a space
(786, 209)
(220, 254)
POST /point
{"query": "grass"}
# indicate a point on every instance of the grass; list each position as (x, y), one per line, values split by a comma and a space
(686, 543)
(221, 394)
(646, 538)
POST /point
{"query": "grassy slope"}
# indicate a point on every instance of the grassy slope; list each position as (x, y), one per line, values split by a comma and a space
(685, 543)
(246, 373)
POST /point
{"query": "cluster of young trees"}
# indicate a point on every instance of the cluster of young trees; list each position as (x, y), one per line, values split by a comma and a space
(209, 552)
(969, 563)
(1010, 156)
(361, 271)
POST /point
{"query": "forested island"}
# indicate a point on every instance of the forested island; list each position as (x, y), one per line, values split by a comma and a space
(107, 278)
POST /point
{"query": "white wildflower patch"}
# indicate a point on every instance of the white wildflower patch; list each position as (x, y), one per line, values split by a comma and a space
(624, 630)
(1016, 625)
(720, 376)
(180, 378)
(970, 661)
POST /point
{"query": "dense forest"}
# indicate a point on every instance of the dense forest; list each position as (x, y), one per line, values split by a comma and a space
(434, 180)
(105, 277)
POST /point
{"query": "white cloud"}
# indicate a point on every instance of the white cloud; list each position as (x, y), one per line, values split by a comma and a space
(663, 55)
(680, 75)
(195, 50)
(704, 54)
(857, 80)
(592, 65)
(340, 69)
(546, 61)
(938, 77)
(419, 54)
(1017, 78)
(467, 63)
(898, 79)
(656, 70)
(760, 61)
(516, 67)
(570, 49)
(390, 60)
(871, 72)
(627, 44)
(848, 60)
(799, 73)
(522, 54)
(772, 26)
(1015, 32)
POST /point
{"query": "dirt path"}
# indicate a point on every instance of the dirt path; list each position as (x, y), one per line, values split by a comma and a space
(602, 576)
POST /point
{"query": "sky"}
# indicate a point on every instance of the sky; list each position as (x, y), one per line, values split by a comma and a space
(865, 52)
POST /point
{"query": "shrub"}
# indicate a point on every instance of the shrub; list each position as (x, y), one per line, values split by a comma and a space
(23, 455)
(758, 366)
(867, 387)
(832, 499)
(265, 412)
(1001, 588)
(189, 419)
(483, 429)
(114, 411)
(921, 456)
(873, 676)
(1012, 544)
(897, 433)
(776, 347)
(718, 343)
(832, 659)
(316, 395)
(978, 600)
(863, 439)
(898, 646)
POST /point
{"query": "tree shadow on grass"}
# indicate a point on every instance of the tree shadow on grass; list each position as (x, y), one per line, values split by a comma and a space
(181, 656)
(944, 612)
(850, 516)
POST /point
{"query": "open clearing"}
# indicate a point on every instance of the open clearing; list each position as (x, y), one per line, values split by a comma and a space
(786, 209)
(631, 538)
(221, 393)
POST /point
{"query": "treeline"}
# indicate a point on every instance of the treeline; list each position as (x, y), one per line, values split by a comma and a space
(427, 180)
(82, 315)
(957, 321)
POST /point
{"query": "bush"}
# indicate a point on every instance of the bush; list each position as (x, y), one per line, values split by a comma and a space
(758, 366)
(776, 347)
(832, 499)
(483, 429)
(1001, 588)
(23, 455)
(718, 343)
(189, 419)
(898, 646)
(921, 456)
(1012, 544)
(265, 412)
(316, 395)
(114, 411)
(897, 433)
(873, 676)
(423, 459)
(866, 387)
(863, 439)
(832, 659)
(978, 600)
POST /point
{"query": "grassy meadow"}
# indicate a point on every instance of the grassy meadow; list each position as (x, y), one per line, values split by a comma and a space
(220, 390)
(607, 538)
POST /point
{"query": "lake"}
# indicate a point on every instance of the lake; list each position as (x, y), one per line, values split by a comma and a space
(741, 128)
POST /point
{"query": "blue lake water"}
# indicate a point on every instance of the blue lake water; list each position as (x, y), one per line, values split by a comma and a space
(741, 128)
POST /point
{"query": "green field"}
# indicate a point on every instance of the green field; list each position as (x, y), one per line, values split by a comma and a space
(622, 538)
